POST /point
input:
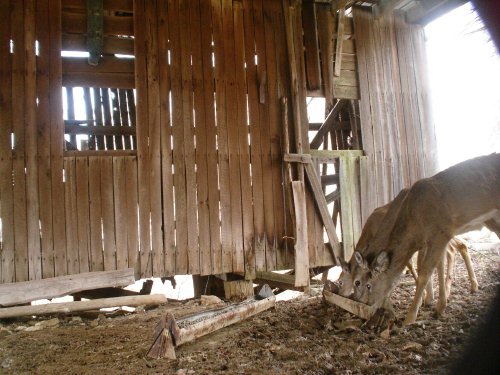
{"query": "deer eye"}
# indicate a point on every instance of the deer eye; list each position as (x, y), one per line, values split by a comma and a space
(341, 282)
(357, 283)
(368, 286)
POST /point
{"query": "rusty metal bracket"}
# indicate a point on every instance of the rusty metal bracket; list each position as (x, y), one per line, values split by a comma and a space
(95, 33)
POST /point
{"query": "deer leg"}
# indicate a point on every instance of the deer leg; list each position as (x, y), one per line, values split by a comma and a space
(450, 267)
(442, 300)
(427, 262)
(412, 270)
(428, 294)
(464, 251)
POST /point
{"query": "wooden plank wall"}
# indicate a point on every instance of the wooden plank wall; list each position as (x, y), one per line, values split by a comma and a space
(202, 190)
(217, 168)
(397, 131)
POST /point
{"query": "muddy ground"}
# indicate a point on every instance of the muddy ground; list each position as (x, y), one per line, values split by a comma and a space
(300, 336)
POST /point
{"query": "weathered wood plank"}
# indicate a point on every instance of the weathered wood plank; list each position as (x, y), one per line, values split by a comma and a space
(189, 147)
(73, 23)
(141, 78)
(256, 248)
(237, 251)
(124, 120)
(346, 92)
(96, 246)
(116, 5)
(331, 156)
(283, 225)
(272, 147)
(18, 127)
(89, 79)
(154, 139)
(71, 212)
(57, 139)
(165, 139)
(83, 213)
(339, 48)
(132, 218)
(108, 213)
(120, 212)
(66, 307)
(301, 246)
(32, 199)
(25, 292)
(326, 23)
(210, 136)
(43, 120)
(112, 45)
(309, 16)
(181, 231)
(200, 131)
(243, 143)
(7, 266)
(223, 154)
(260, 147)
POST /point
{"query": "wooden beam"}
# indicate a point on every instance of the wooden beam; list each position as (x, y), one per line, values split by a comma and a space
(297, 158)
(312, 177)
(67, 307)
(99, 130)
(329, 123)
(23, 292)
(330, 179)
(340, 42)
(330, 156)
(342, 125)
(88, 79)
(112, 45)
(333, 196)
(301, 243)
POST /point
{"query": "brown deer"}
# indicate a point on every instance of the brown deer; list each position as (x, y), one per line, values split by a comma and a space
(425, 219)
(369, 231)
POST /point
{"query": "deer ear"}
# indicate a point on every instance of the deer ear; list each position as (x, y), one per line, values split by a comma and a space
(342, 263)
(360, 260)
(381, 263)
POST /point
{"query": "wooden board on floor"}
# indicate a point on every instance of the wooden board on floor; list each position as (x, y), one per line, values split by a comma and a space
(25, 292)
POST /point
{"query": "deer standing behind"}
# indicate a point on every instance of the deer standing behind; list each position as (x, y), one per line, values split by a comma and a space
(424, 219)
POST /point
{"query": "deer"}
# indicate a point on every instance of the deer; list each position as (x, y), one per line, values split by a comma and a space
(424, 219)
(369, 231)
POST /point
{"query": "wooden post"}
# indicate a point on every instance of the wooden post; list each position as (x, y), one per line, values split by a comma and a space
(301, 245)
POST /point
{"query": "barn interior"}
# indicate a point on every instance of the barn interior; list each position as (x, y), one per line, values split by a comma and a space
(149, 139)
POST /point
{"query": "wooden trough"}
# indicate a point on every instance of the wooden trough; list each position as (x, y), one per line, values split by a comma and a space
(354, 307)
(170, 333)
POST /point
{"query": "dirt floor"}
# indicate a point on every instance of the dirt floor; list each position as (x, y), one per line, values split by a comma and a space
(300, 336)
